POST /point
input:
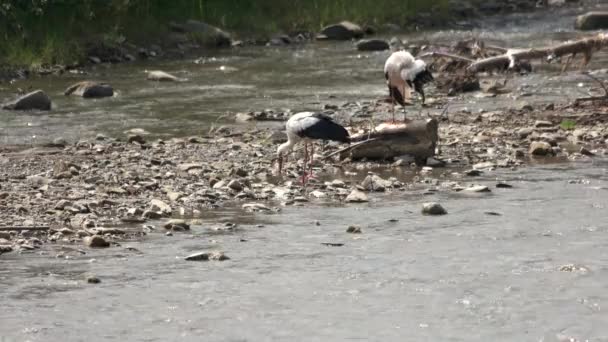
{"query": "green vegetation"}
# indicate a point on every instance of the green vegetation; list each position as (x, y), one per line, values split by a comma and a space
(58, 31)
(567, 124)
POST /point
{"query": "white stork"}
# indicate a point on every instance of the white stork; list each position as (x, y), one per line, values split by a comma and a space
(403, 72)
(308, 126)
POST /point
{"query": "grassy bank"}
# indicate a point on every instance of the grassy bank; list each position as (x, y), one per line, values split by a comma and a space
(58, 31)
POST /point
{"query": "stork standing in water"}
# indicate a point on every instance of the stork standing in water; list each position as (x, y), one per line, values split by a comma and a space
(403, 72)
(309, 126)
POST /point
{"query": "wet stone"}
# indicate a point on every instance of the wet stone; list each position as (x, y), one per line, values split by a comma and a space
(93, 280)
(477, 188)
(95, 241)
(177, 225)
(5, 249)
(502, 185)
(433, 208)
(540, 148)
(356, 196)
(353, 230)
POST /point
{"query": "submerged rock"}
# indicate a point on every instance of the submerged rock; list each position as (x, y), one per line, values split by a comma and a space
(206, 256)
(89, 89)
(31, 101)
(342, 31)
(372, 45)
(161, 76)
(433, 208)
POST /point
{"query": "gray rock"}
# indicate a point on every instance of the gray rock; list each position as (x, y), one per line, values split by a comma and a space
(585, 151)
(34, 100)
(375, 183)
(89, 89)
(95, 241)
(592, 21)
(5, 235)
(372, 45)
(160, 206)
(189, 166)
(5, 249)
(356, 196)
(543, 123)
(341, 31)
(235, 185)
(255, 207)
(152, 215)
(433, 208)
(477, 188)
(524, 132)
(540, 148)
(175, 195)
(136, 138)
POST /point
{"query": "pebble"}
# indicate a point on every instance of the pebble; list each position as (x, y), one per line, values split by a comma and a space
(93, 280)
(95, 241)
(503, 185)
(433, 208)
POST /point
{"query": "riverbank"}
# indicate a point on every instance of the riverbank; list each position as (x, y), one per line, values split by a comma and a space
(49, 38)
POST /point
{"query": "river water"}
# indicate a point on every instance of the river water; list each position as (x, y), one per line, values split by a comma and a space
(490, 270)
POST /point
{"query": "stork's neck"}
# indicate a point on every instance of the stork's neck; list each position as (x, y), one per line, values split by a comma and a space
(285, 147)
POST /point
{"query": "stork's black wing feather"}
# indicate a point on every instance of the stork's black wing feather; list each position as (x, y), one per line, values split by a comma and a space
(322, 127)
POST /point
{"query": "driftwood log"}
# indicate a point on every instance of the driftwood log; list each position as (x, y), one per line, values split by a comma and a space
(586, 46)
(416, 138)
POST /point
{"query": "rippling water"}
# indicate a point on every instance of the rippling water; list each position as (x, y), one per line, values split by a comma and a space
(466, 276)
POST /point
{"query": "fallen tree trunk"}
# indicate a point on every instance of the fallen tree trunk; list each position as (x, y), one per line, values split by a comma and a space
(509, 59)
(416, 138)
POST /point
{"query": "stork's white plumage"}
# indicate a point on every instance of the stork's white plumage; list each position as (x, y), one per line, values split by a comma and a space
(404, 72)
(308, 126)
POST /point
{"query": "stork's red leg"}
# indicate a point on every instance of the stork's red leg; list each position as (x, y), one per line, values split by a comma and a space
(304, 166)
(312, 156)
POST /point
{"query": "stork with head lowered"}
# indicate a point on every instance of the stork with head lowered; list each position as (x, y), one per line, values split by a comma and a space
(306, 127)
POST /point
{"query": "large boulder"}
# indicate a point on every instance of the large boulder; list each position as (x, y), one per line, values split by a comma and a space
(592, 21)
(89, 89)
(372, 45)
(341, 31)
(34, 100)
(203, 33)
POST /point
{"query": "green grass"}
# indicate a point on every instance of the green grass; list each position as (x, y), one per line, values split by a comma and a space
(567, 124)
(55, 31)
